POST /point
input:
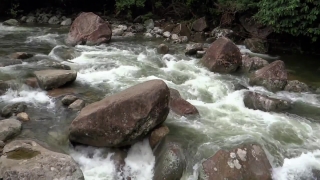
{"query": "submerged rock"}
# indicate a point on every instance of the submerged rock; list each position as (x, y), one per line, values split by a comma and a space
(296, 86)
(13, 109)
(89, 29)
(68, 99)
(261, 102)
(51, 79)
(11, 22)
(180, 106)
(170, 161)
(273, 76)
(9, 128)
(223, 56)
(21, 55)
(157, 135)
(244, 162)
(25, 159)
(51, 64)
(163, 49)
(123, 118)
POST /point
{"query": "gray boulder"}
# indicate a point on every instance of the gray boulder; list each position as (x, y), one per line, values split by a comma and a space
(9, 128)
(250, 64)
(25, 159)
(11, 22)
(51, 79)
(261, 102)
(296, 86)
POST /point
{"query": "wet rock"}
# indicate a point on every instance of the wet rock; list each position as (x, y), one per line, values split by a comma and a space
(21, 55)
(157, 135)
(170, 161)
(252, 64)
(51, 79)
(23, 117)
(54, 65)
(54, 20)
(77, 105)
(9, 128)
(200, 24)
(10, 63)
(256, 45)
(180, 106)
(4, 86)
(166, 34)
(11, 22)
(261, 102)
(61, 92)
(66, 22)
(25, 159)
(200, 54)
(31, 19)
(89, 29)
(273, 76)
(239, 86)
(163, 49)
(244, 162)
(223, 56)
(13, 109)
(296, 86)
(123, 118)
(32, 82)
(149, 24)
(68, 99)
(63, 53)
(191, 49)
(218, 33)
(181, 30)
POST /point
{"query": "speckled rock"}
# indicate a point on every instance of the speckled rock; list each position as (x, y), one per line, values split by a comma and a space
(9, 128)
(296, 86)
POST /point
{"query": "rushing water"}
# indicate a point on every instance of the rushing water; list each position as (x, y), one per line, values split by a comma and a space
(291, 140)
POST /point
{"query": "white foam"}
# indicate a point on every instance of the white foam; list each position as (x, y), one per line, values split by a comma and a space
(139, 163)
(47, 38)
(28, 95)
(9, 29)
(298, 168)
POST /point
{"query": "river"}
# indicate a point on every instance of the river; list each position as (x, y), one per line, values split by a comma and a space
(291, 140)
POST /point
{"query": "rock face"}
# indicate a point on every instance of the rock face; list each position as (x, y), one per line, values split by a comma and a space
(200, 24)
(170, 161)
(181, 106)
(157, 135)
(123, 118)
(256, 45)
(9, 128)
(273, 76)
(296, 86)
(244, 162)
(51, 79)
(261, 102)
(21, 55)
(223, 56)
(163, 49)
(25, 159)
(89, 29)
(252, 64)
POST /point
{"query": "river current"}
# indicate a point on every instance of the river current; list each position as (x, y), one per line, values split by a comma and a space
(291, 140)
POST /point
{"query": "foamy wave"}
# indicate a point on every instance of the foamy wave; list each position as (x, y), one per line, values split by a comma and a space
(48, 38)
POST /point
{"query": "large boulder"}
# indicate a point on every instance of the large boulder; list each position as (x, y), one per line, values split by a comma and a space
(170, 161)
(90, 29)
(223, 56)
(123, 118)
(51, 79)
(11, 22)
(256, 45)
(250, 64)
(296, 86)
(200, 24)
(181, 30)
(273, 76)
(180, 106)
(25, 159)
(261, 102)
(247, 161)
(9, 128)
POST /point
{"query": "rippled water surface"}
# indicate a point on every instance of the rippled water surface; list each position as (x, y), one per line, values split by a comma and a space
(291, 140)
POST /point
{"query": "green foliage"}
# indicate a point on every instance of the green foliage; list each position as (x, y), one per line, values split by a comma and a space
(296, 17)
(122, 5)
(14, 11)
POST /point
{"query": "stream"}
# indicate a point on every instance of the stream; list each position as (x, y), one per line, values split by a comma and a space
(291, 140)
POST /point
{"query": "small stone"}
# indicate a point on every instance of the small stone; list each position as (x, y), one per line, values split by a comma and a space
(184, 39)
(77, 105)
(149, 24)
(68, 99)
(200, 54)
(166, 34)
(191, 49)
(21, 55)
(23, 117)
(2, 144)
(174, 37)
(128, 34)
(163, 49)
(148, 35)
(54, 20)
(66, 22)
